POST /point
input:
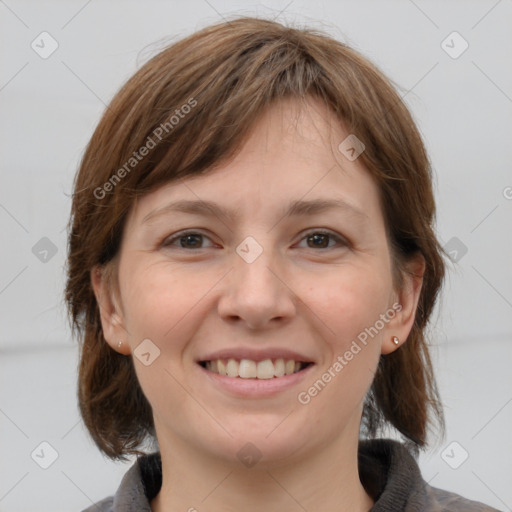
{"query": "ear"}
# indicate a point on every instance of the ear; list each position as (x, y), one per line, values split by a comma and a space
(112, 319)
(405, 305)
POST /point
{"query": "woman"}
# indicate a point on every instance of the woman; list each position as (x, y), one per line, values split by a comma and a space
(252, 265)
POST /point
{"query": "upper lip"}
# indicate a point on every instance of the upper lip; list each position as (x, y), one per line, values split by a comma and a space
(255, 355)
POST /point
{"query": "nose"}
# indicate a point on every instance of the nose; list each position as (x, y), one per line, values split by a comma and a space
(257, 293)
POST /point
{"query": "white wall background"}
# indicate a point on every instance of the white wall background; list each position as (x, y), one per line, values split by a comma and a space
(49, 108)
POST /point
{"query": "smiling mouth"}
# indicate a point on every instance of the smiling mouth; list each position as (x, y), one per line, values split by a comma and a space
(248, 369)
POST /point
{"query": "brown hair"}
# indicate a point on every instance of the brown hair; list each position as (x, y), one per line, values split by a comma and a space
(191, 106)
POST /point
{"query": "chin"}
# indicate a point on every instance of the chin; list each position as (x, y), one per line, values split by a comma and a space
(262, 443)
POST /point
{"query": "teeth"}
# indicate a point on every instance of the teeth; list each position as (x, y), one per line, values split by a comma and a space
(232, 368)
(279, 368)
(247, 369)
(221, 367)
(265, 369)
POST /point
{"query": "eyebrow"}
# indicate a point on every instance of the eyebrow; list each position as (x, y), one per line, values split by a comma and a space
(295, 208)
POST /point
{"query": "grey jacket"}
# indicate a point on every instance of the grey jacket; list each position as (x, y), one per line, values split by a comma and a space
(387, 470)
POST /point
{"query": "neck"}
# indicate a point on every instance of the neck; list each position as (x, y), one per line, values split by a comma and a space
(326, 481)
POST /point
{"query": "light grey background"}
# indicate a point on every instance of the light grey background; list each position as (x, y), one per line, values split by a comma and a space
(49, 109)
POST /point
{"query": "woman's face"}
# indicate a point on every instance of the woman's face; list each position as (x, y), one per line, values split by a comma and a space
(267, 281)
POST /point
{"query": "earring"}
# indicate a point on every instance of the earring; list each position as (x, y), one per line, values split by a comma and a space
(120, 343)
(396, 341)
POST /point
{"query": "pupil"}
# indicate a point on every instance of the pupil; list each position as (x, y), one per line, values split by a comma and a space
(319, 238)
(187, 239)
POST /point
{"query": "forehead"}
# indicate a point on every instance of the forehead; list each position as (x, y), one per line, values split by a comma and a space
(292, 154)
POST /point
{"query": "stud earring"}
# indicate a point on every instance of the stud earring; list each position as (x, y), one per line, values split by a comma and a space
(120, 343)
(396, 341)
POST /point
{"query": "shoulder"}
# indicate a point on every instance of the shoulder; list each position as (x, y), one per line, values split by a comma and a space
(140, 484)
(391, 475)
(105, 505)
(451, 502)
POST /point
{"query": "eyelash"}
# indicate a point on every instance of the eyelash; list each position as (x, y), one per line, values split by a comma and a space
(168, 242)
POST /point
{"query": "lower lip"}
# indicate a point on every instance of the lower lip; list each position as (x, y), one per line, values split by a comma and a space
(256, 388)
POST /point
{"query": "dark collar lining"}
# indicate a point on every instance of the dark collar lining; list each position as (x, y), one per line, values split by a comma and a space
(390, 475)
(150, 467)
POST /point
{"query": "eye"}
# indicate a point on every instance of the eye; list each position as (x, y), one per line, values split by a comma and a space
(186, 239)
(316, 239)
(320, 239)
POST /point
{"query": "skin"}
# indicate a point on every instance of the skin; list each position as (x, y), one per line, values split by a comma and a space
(295, 295)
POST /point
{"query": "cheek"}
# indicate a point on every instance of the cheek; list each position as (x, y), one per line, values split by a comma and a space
(159, 302)
(351, 308)
(349, 302)
(353, 351)
(158, 297)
